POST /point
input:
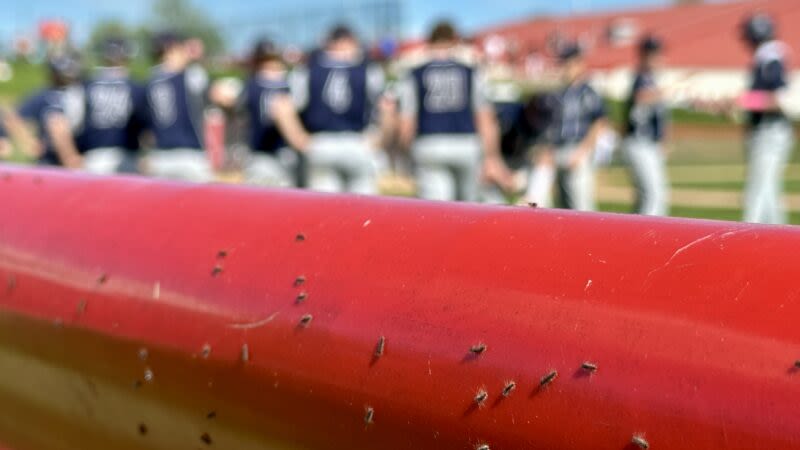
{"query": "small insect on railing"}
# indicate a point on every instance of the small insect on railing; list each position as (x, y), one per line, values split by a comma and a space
(145, 314)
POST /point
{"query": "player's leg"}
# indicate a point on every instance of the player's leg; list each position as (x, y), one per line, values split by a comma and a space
(647, 167)
(659, 182)
(326, 179)
(130, 163)
(194, 166)
(266, 170)
(434, 176)
(290, 162)
(466, 158)
(359, 166)
(576, 184)
(161, 164)
(180, 164)
(582, 185)
(435, 183)
(542, 179)
(773, 150)
(767, 148)
(491, 194)
(103, 161)
(326, 156)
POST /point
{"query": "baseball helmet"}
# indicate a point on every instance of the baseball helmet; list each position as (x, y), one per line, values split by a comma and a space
(758, 28)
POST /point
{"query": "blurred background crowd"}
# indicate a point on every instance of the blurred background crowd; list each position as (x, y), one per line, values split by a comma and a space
(654, 107)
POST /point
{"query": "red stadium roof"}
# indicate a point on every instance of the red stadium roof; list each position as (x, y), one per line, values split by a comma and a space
(700, 35)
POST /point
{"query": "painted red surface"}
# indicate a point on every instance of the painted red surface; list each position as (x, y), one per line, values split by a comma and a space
(692, 325)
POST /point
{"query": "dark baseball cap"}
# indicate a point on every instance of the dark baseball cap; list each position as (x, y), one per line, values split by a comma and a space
(569, 51)
(264, 49)
(164, 40)
(650, 44)
(67, 65)
(339, 32)
(758, 28)
(115, 49)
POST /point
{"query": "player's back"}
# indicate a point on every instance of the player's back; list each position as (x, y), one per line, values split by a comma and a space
(646, 120)
(37, 108)
(768, 74)
(576, 107)
(114, 106)
(175, 104)
(444, 91)
(338, 95)
(258, 94)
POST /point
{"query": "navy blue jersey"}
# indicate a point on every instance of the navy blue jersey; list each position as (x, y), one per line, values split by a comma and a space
(258, 93)
(645, 121)
(444, 98)
(37, 109)
(768, 74)
(114, 108)
(338, 96)
(575, 109)
(175, 103)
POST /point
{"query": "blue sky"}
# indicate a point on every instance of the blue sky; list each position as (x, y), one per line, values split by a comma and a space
(469, 14)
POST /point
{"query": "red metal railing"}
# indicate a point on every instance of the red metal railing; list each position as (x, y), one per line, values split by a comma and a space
(146, 314)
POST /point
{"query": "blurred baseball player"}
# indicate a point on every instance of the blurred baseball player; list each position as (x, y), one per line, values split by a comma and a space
(114, 110)
(273, 121)
(176, 97)
(5, 144)
(770, 137)
(338, 93)
(449, 124)
(58, 112)
(646, 121)
(577, 122)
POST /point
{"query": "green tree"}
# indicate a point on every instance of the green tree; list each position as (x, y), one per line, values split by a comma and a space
(183, 16)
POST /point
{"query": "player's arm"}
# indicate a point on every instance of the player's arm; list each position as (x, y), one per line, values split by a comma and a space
(5, 145)
(283, 112)
(298, 80)
(407, 114)
(488, 129)
(494, 168)
(58, 128)
(589, 143)
(388, 120)
(20, 134)
(198, 83)
(5, 148)
(383, 105)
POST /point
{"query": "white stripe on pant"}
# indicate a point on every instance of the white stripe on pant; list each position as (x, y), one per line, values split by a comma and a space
(647, 165)
(769, 147)
(447, 166)
(341, 162)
